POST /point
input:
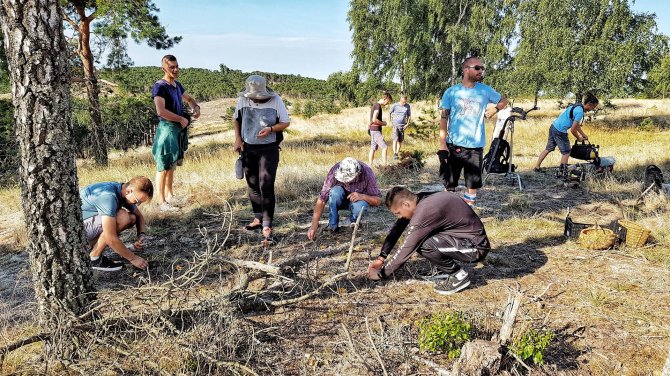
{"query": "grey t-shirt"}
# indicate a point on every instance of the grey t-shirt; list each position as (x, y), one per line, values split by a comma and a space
(399, 114)
(254, 116)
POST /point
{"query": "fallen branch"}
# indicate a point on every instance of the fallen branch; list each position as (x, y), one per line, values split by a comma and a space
(286, 302)
(436, 367)
(228, 365)
(352, 348)
(379, 358)
(347, 265)
(23, 342)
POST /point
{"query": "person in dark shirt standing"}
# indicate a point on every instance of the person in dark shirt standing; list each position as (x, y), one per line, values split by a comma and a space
(259, 121)
(375, 128)
(442, 228)
(171, 140)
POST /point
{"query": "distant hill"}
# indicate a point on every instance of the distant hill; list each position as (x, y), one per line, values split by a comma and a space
(205, 84)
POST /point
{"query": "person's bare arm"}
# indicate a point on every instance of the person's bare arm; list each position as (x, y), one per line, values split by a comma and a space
(318, 210)
(112, 239)
(376, 121)
(194, 105)
(577, 131)
(274, 128)
(141, 228)
(502, 103)
(166, 114)
(444, 128)
(372, 200)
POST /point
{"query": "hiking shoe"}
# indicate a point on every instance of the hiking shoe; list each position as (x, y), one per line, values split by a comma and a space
(106, 265)
(452, 284)
(539, 170)
(395, 156)
(166, 207)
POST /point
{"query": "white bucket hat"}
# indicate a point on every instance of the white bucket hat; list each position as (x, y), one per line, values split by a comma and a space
(348, 170)
(255, 87)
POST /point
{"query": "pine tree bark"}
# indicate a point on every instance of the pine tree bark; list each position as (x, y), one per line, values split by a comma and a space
(40, 76)
(99, 147)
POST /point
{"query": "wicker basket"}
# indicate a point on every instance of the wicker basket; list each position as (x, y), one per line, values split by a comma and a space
(636, 235)
(589, 241)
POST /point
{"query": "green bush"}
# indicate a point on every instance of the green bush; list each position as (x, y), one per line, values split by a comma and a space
(444, 332)
(128, 122)
(533, 345)
(647, 124)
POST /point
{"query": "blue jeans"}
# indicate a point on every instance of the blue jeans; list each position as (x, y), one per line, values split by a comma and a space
(337, 200)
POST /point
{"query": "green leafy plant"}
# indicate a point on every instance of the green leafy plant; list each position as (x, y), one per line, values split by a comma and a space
(444, 332)
(533, 345)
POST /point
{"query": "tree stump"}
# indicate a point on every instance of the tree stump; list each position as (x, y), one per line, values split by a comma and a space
(478, 358)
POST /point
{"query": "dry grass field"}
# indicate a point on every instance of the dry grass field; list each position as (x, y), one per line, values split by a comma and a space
(608, 310)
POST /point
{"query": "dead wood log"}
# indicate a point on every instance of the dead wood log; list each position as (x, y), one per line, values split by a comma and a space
(509, 316)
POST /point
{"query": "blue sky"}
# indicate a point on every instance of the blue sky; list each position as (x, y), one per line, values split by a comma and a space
(309, 37)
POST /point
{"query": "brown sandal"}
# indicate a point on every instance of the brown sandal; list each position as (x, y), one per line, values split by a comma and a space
(255, 224)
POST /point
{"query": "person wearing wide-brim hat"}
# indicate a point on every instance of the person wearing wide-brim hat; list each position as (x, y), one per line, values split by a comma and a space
(259, 119)
(350, 184)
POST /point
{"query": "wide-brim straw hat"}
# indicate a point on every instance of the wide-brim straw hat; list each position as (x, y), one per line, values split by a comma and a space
(256, 87)
(348, 170)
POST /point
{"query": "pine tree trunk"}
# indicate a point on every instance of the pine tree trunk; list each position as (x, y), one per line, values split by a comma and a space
(99, 147)
(38, 69)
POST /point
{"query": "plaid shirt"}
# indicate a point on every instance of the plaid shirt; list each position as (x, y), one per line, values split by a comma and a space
(365, 183)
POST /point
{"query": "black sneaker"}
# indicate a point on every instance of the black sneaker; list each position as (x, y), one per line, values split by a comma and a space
(454, 283)
(395, 157)
(106, 265)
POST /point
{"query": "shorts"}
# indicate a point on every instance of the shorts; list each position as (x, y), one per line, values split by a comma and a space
(377, 140)
(398, 134)
(93, 228)
(560, 139)
(460, 158)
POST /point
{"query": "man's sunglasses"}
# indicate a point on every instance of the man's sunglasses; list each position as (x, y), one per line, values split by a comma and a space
(476, 67)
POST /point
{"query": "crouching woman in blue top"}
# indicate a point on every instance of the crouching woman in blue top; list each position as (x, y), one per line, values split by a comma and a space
(108, 209)
(570, 119)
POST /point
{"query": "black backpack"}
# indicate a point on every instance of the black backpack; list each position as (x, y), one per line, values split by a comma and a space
(496, 160)
(653, 176)
(572, 110)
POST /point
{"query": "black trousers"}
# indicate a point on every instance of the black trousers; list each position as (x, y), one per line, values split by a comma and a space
(260, 170)
(442, 249)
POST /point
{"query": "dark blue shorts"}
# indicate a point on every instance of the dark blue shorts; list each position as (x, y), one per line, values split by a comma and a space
(557, 138)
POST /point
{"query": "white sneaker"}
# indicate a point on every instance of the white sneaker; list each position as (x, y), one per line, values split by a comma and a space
(177, 201)
(166, 207)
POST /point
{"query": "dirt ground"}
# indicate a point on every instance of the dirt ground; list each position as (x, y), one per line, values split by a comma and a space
(607, 309)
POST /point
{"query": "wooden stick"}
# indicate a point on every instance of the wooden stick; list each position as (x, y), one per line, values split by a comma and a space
(436, 367)
(353, 238)
(379, 358)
